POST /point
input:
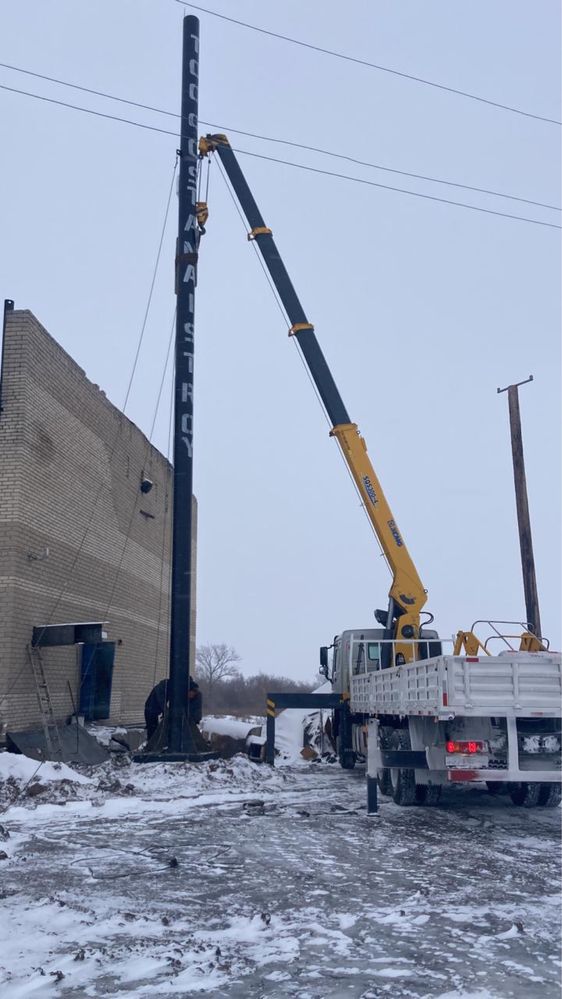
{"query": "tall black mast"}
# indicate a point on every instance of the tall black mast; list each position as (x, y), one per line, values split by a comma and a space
(179, 739)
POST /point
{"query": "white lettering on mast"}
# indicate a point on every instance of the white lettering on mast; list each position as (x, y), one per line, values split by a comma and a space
(189, 150)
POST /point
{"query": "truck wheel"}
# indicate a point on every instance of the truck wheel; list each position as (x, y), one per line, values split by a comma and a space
(385, 782)
(403, 781)
(496, 787)
(550, 795)
(428, 794)
(526, 795)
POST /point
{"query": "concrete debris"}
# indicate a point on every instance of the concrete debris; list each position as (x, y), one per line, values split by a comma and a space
(35, 789)
(254, 807)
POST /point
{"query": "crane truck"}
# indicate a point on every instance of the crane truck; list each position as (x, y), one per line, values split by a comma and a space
(423, 715)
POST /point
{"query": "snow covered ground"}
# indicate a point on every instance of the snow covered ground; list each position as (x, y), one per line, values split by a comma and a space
(233, 879)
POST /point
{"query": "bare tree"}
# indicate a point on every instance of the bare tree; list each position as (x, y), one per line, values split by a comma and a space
(216, 663)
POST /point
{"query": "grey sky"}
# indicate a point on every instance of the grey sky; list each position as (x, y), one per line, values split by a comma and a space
(422, 309)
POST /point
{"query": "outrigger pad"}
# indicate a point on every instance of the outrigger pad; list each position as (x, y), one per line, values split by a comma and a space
(77, 745)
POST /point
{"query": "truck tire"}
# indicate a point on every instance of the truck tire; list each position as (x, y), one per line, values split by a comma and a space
(550, 795)
(496, 787)
(385, 782)
(403, 781)
(525, 794)
(428, 794)
(346, 753)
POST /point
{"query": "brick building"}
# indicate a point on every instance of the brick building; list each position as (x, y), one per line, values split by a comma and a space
(79, 539)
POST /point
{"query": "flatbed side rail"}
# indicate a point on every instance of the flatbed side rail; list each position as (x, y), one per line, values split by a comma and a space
(515, 686)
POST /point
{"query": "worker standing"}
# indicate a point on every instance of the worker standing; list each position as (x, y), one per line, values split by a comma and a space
(195, 703)
(157, 703)
(155, 707)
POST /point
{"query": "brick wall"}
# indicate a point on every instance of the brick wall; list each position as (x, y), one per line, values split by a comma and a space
(78, 540)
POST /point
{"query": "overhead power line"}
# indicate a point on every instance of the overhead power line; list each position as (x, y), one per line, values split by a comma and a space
(298, 166)
(400, 190)
(98, 114)
(285, 142)
(372, 65)
(89, 90)
(385, 169)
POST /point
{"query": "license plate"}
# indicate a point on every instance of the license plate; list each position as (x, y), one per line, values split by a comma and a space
(466, 761)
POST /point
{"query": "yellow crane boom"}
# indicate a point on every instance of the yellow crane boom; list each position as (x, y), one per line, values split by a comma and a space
(407, 595)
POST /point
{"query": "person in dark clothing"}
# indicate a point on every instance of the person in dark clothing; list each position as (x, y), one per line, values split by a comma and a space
(155, 706)
(195, 703)
(158, 701)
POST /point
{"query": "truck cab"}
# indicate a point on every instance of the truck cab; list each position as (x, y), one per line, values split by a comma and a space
(362, 651)
(355, 651)
(366, 650)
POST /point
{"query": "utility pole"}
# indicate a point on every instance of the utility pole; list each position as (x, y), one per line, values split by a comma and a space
(179, 735)
(523, 520)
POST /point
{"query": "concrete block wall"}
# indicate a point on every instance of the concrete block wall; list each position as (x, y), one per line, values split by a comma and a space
(78, 539)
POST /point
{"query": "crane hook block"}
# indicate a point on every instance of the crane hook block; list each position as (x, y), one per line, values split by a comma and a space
(300, 328)
(208, 143)
(202, 213)
(260, 230)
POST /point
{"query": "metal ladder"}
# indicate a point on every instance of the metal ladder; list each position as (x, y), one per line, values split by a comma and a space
(50, 728)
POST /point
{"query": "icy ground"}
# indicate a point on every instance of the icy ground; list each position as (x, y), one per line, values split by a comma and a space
(173, 880)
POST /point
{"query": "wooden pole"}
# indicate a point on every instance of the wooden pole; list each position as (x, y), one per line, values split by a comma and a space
(522, 503)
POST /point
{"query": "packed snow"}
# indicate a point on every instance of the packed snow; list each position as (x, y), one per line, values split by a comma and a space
(21, 768)
(234, 879)
(290, 729)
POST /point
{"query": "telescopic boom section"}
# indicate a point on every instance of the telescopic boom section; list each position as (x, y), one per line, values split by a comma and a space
(407, 594)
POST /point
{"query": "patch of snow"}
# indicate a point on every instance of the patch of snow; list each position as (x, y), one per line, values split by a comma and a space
(105, 733)
(278, 976)
(22, 768)
(121, 788)
(345, 919)
(290, 725)
(394, 972)
(462, 994)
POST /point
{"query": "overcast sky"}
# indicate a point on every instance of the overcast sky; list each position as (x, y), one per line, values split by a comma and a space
(422, 309)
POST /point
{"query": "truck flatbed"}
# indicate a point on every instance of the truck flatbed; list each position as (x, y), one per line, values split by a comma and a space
(512, 685)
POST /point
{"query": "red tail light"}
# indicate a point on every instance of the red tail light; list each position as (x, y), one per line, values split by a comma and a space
(466, 747)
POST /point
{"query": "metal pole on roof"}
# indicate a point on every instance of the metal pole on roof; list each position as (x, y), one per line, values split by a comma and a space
(522, 503)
